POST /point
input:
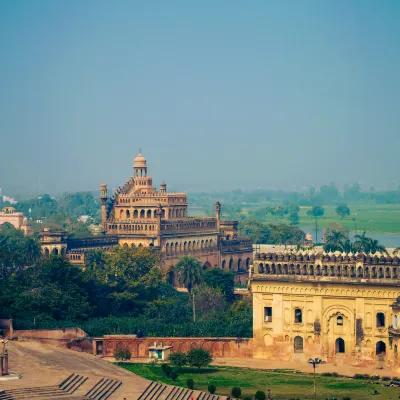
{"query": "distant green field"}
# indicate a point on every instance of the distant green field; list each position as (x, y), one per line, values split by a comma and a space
(284, 384)
(369, 218)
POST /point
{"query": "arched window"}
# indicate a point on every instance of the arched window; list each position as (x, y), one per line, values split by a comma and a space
(360, 272)
(223, 264)
(380, 320)
(230, 263)
(149, 214)
(339, 346)
(298, 316)
(167, 248)
(128, 214)
(142, 213)
(46, 252)
(248, 263)
(339, 320)
(121, 214)
(298, 344)
(55, 251)
(239, 264)
(260, 268)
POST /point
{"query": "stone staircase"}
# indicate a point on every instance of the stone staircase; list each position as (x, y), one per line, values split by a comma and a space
(102, 390)
(159, 391)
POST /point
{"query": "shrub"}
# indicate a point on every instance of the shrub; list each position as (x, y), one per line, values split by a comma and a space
(178, 359)
(330, 374)
(361, 376)
(174, 375)
(260, 395)
(212, 388)
(190, 383)
(386, 378)
(198, 357)
(236, 392)
(248, 398)
(122, 355)
(347, 398)
(166, 369)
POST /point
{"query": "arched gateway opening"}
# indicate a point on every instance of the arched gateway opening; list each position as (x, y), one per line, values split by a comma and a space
(339, 346)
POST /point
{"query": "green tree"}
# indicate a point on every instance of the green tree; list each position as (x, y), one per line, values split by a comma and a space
(178, 359)
(212, 388)
(190, 383)
(208, 300)
(220, 279)
(236, 392)
(260, 395)
(342, 210)
(316, 212)
(198, 357)
(174, 375)
(294, 218)
(334, 240)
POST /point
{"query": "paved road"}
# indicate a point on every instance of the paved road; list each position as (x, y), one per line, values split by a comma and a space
(43, 365)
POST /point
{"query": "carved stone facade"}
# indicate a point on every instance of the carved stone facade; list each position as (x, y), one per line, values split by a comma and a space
(139, 214)
(334, 306)
(17, 219)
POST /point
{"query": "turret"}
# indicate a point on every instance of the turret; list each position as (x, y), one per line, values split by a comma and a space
(103, 198)
(163, 188)
(218, 210)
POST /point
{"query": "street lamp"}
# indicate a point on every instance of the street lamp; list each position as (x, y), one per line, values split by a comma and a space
(314, 362)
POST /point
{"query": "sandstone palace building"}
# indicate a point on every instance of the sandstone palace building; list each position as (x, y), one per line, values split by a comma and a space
(139, 214)
(339, 307)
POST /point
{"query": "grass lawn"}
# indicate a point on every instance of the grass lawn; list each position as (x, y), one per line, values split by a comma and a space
(369, 218)
(284, 384)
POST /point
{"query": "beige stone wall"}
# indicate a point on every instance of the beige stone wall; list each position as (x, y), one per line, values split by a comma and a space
(323, 302)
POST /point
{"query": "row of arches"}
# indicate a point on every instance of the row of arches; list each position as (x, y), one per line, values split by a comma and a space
(189, 246)
(340, 345)
(336, 258)
(55, 251)
(325, 270)
(132, 227)
(188, 224)
(125, 214)
(238, 266)
(177, 213)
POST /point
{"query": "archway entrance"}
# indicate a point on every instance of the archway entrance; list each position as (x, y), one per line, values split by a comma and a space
(206, 265)
(298, 344)
(339, 346)
(380, 348)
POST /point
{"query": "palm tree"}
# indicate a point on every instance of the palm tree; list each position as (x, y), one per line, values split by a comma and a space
(316, 212)
(189, 275)
(374, 246)
(334, 239)
(347, 246)
(94, 260)
(396, 250)
(31, 250)
(361, 242)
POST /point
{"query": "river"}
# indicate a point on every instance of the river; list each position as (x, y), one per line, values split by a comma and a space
(389, 240)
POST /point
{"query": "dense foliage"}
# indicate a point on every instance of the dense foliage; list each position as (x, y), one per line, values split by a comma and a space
(119, 292)
(261, 232)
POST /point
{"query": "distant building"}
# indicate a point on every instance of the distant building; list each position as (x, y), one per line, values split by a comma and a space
(139, 214)
(17, 219)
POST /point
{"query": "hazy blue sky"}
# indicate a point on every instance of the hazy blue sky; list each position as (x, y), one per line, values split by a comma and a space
(218, 94)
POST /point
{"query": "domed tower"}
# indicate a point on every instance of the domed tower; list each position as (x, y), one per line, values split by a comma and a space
(139, 166)
(142, 180)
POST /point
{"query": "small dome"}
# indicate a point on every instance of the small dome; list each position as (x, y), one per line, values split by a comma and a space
(139, 161)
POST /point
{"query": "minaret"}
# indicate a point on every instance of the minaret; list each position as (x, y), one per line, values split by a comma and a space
(103, 198)
(218, 211)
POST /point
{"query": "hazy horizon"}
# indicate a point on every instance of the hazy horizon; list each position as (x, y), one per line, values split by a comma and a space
(217, 95)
